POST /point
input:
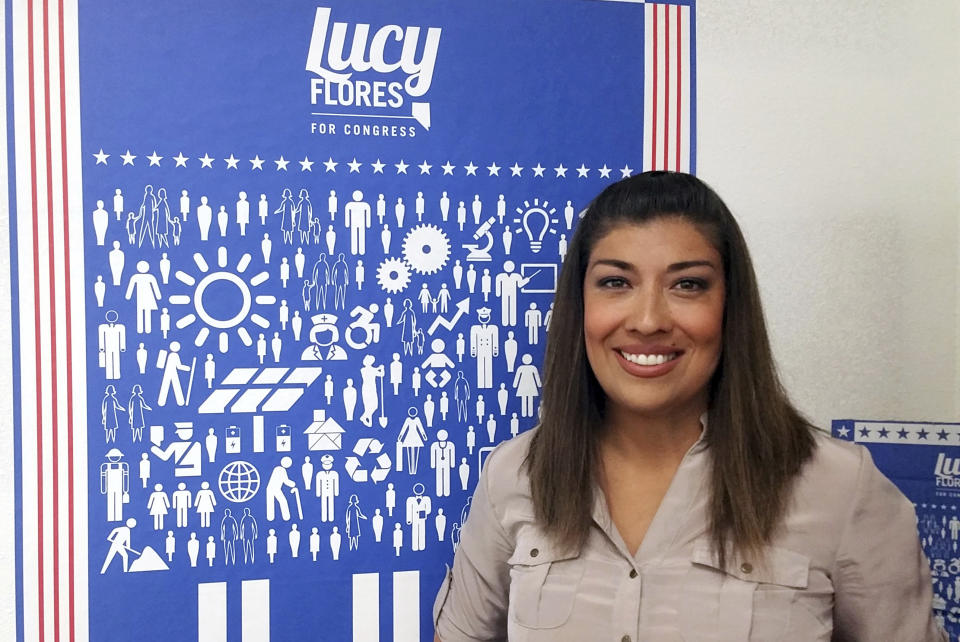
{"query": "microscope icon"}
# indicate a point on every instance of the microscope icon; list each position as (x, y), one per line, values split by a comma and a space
(482, 235)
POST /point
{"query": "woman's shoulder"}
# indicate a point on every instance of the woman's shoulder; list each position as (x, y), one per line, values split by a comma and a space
(839, 483)
(506, 485)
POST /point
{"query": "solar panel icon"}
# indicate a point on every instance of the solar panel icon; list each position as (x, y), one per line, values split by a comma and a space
(259, 390)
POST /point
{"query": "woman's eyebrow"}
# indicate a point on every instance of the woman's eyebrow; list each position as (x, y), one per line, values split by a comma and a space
(673, 267)
(683, 265)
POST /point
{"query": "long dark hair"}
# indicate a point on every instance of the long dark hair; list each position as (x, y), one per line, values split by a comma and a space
(756, 439)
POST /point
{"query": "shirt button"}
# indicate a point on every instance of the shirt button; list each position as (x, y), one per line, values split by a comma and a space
(633, 573)
(534, 552)
(746, 567)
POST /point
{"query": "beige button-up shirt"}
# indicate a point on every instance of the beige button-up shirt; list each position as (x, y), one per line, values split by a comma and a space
(847, 565)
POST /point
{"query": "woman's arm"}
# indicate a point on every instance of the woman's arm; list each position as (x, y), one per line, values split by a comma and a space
(882, 587)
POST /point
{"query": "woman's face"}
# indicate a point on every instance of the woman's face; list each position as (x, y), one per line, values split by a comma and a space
(653, 302)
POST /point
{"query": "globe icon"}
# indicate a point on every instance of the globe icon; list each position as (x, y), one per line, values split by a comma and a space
(239, 481)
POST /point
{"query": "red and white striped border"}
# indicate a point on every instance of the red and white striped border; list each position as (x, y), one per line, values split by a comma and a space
(49, 219)
(668, 87)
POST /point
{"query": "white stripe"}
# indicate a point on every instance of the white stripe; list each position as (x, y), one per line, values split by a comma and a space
(212, 612)
(406, 606)
(647, 84)
(255, 614)
(366, 607)
(78, 423)
(25, 294)
(662, 83)
(685, 124)
(670, 11)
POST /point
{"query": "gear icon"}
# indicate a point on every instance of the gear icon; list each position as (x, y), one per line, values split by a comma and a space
(393, 275)
(426, 248)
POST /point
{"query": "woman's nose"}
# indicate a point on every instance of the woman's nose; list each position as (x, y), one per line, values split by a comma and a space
(651, 312)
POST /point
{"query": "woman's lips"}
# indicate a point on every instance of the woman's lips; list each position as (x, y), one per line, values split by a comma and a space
(649, 362)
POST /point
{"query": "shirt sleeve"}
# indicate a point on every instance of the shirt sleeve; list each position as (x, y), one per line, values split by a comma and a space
(882, 587)
(472, 602)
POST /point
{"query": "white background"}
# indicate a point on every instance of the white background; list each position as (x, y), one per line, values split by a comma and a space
(832, 130)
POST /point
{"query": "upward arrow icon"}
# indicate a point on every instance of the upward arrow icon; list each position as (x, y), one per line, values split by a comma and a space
(462, 308)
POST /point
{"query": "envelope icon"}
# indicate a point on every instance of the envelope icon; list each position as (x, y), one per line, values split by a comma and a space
(324, 434)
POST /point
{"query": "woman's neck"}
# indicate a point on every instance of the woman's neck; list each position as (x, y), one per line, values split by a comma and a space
(661, 440)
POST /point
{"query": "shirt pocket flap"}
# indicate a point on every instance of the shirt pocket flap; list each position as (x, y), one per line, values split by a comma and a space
(779, 566)
(534, 548)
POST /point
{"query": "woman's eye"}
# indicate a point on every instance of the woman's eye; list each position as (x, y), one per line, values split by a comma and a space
(613, 282)
(690, 284)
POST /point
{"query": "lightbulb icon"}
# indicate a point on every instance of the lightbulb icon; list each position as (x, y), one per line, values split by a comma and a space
(536, 220)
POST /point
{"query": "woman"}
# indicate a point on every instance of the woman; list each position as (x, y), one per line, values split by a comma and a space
(671, 491)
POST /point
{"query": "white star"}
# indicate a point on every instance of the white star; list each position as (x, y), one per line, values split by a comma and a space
(282, 163)
(561, 171)
(538, 170)
(582, 171)
(127, 158)
(330, 164)
(206, 161)
(471, 169)
(448, 169)
(604, 171)
(354, 166)
(494, 169)
(256, 163)
(843, 432)
(401, 167)
(625, 171)
(180, 160)
(101, 157)
(231, 162)
(378, 167)
(515, 169)
(306, 165)
(424, 168)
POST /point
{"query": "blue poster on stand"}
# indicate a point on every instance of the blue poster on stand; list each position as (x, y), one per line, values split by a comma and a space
(923, 460)
(285, 275)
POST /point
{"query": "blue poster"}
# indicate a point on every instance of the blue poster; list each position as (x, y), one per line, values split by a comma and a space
(285, 277)
(923, 460)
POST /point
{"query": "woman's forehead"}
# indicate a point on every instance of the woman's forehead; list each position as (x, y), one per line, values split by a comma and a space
(666, 238)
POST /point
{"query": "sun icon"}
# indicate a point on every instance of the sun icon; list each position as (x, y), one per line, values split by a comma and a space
(221, 299)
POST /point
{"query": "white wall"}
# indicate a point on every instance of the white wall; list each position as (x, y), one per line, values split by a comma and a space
(832, 129)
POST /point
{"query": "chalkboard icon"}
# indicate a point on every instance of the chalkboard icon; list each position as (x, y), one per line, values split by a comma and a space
(324, 433)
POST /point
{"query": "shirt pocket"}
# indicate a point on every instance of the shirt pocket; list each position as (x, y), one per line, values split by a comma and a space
(745, 599)
(544, 581)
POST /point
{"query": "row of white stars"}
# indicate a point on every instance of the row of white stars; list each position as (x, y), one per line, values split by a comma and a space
(330, 165)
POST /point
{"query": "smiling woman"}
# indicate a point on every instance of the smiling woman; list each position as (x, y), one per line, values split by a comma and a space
(671, 491)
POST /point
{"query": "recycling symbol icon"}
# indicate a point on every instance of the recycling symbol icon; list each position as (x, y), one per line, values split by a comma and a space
(369, 462)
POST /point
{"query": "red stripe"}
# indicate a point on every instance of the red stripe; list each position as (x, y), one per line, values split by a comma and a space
(666, 91)
(653, 127)
(67, 320)
(679, 85)
(54, 378)
(36, 319)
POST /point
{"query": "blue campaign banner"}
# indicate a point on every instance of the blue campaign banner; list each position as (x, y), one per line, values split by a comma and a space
(923, 460)
(286, 275)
